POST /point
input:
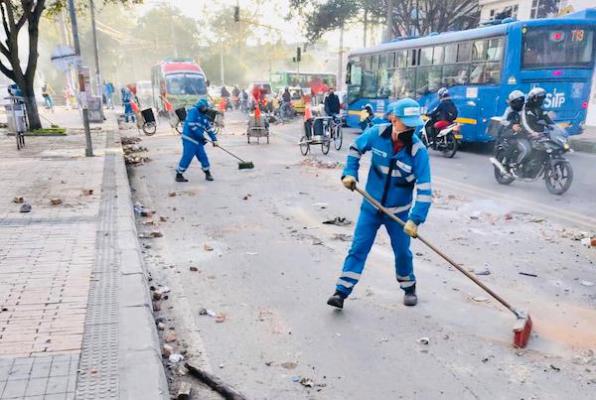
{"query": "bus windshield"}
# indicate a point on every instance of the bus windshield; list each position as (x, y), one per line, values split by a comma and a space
(181, 84)
(557, 47)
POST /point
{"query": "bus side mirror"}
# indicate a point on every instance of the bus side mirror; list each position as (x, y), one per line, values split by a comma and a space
(349, 74)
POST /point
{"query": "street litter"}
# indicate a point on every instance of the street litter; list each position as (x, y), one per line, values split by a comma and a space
(315, 162)
(135, 160)
(587, 283)
(339, 221)
(141, 210)
(170, 337)
(220, 318)
(87, 192)
(206, 247)
(317, 242)
(528, 274)
(150, 235)
(307, 382)
(167, 350)
(172, 194)
(251, 253)
(18, 200)
(193, 269)
(56, 201)
(482, 270)
(424, 340)
(289, 365)
(320, 205)
(586, 242)
(25, 208)
(343, 237)
(206, 311)
(175, 357)
(126, 140)
(184, 391)
(480, 299)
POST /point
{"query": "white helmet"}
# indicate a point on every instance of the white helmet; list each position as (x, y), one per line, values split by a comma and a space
(443, 92)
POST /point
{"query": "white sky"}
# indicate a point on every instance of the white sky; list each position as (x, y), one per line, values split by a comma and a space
(271, 13)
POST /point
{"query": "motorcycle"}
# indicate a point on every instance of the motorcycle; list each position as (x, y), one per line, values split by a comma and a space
(446, 140)
(545, 160)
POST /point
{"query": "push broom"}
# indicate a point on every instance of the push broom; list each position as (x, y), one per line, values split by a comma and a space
(523, 326)
(242, 164)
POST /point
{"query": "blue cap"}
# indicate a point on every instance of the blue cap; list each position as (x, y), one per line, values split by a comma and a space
(407, 110)
(202, 103)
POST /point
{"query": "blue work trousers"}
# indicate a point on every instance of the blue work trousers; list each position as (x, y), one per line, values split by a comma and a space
(191, 149)
(367, 226)
(128, 114)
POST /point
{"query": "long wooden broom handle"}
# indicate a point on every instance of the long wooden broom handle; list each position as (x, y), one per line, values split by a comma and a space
(229, 152)
(385, 211)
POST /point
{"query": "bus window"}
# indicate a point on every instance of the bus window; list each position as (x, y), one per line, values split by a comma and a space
(412, 57)
(487, 50)
(438, 55)
(401, 59)
(485, 73)
(428, 80)
(557, 47)
(426, 56)
(464, 50)
(451, 53)
(409, 83)
(385, 83)
(455, 75)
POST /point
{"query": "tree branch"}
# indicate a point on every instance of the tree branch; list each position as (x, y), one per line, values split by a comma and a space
(34, 38)
(7, 72)
(27, 6)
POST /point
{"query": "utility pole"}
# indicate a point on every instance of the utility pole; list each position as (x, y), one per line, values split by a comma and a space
(96, 50)
(95, 47)
(82, 90)
(365, 33)
(340, 61)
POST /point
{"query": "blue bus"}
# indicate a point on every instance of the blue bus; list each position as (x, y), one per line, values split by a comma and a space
(481, 67)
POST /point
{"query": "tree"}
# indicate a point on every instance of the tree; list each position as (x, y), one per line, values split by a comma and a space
(16, 14)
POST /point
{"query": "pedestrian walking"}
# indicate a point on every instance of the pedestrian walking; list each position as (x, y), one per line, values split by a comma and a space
(46, 93)
(108, 92)
(127, 98)
(199, 121)
(400, 166)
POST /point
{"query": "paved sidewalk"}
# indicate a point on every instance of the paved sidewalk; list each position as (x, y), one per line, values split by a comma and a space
(586, 142)
(75, 319)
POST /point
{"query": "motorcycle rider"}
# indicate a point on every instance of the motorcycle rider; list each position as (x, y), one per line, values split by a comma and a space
(444, 113)
(534, 119)
(236, 97)
(519, 144)
(199, 121)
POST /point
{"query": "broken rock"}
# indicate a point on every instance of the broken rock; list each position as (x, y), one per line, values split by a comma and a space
(339, 221)
(18, 200)
(56, 201)
(167, 350)
(25, 208)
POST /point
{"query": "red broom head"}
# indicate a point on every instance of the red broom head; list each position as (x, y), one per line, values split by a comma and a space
(521, 332)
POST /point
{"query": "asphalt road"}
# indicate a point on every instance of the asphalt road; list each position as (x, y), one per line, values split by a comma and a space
(268, 264)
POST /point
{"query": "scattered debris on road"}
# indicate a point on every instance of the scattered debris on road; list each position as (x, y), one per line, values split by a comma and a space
(184, 391)
(342, 237)
(18, 200)
(56, 201)
(140, 210)
(484, 270)
(87, 192)
(150, 235)
(192, 268)
(172, 194)
(206, 311)
(25, 208)
(587, 283)
(528, 274)
(175, 358)
(289, 365)
(226, 391)
(424, 340)
(307, 382)
(339, 221)
(315, 162)
(206, 247)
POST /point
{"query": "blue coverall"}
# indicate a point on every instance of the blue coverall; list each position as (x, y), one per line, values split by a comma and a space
(196, 125)
(391, 180)
(126, 99)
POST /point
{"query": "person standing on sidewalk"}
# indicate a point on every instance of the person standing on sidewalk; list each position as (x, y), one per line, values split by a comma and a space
(399, 165)
(46, 93)
(198, 122)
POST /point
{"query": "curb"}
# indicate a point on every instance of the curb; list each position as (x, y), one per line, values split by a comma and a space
(583, 145)
(140, 366)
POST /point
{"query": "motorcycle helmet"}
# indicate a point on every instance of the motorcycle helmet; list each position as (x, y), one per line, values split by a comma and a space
(536, 97)
(443, 92)
(516, 100)
(368, 108)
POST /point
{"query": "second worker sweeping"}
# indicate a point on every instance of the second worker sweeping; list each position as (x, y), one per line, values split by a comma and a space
(199, 121)
(400, 166)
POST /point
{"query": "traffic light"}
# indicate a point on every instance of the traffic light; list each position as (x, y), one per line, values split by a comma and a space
(298, 54)
(236, 14)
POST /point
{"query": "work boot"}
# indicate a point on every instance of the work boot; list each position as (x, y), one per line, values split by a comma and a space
(208, 176)
(410, 298)
(337, 300)
(180, 177)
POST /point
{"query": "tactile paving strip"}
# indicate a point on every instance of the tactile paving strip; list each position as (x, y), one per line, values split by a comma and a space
(98, 365)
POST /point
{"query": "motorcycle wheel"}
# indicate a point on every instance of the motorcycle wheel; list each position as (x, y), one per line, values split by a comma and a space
(502, 179)
(558, 179)
(450, 146)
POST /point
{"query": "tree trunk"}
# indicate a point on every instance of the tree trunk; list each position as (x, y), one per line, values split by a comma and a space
(31, 103)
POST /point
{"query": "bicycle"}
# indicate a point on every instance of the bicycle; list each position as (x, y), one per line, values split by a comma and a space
(336, 132)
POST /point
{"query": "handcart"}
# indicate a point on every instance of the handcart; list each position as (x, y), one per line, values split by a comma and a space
(258, 127)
